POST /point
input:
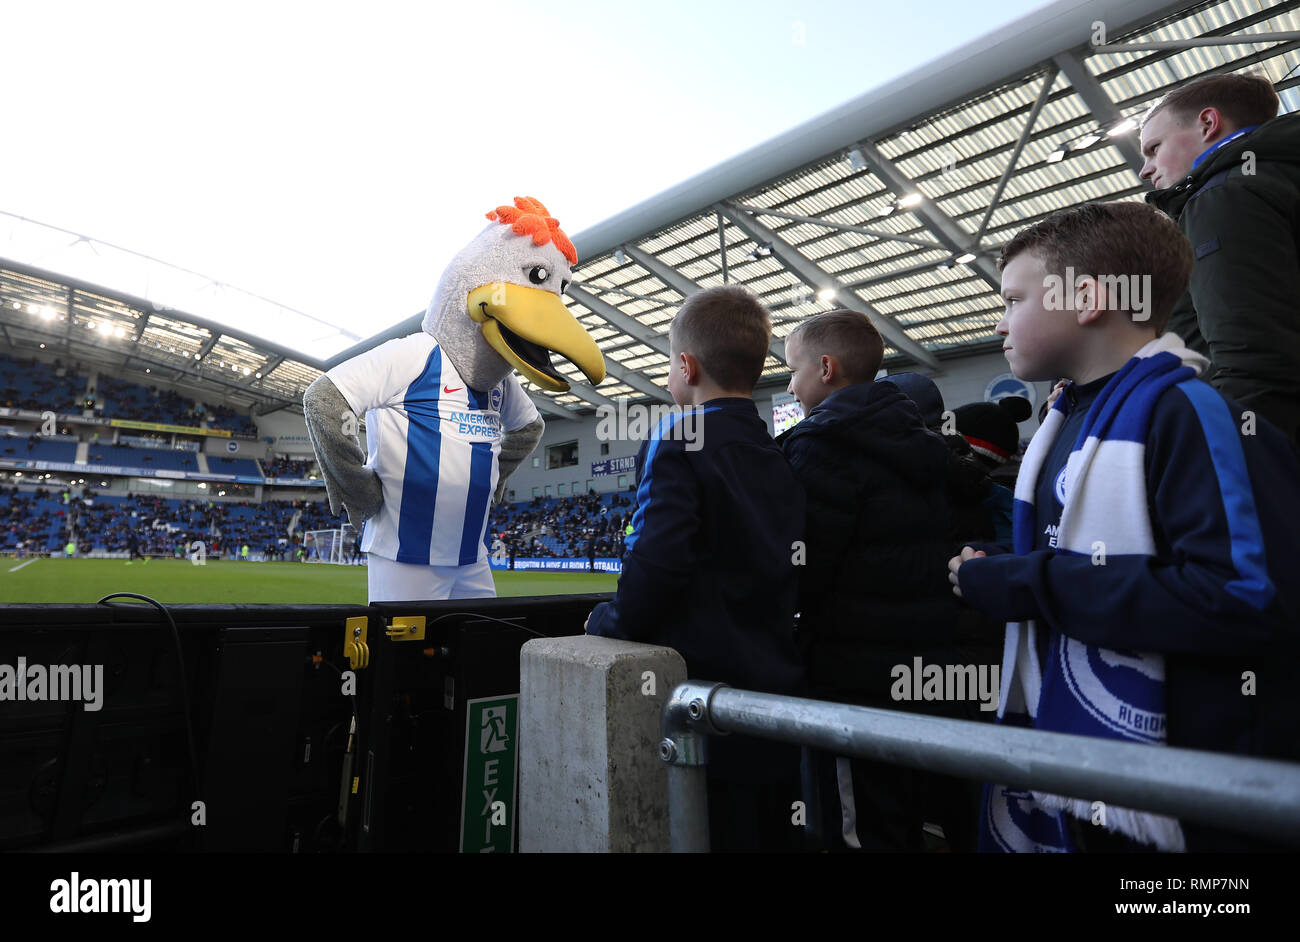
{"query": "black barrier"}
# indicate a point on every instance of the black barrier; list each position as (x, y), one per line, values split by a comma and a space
(267, 718)
(416, 699)
(107, 765)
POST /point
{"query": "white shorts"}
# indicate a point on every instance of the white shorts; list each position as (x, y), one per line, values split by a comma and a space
(391, 581)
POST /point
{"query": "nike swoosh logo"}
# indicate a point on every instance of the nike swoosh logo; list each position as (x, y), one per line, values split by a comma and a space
(457, 389)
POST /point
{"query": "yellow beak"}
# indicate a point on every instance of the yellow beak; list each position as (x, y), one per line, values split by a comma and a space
(525, 325)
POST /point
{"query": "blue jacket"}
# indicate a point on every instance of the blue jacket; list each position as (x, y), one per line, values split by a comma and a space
(1179, 602)
(708, 569)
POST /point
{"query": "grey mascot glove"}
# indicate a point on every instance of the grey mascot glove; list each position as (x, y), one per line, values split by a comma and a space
(348, 484)
(515, 447)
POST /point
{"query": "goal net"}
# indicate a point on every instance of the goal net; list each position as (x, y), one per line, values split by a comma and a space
(329, 546)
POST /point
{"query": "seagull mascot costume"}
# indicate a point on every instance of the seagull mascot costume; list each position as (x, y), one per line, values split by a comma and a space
(446, 418)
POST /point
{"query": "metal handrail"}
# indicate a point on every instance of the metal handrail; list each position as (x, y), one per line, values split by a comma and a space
(1239, 793)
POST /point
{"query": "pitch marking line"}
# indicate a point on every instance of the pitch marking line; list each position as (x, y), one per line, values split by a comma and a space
(21, 565)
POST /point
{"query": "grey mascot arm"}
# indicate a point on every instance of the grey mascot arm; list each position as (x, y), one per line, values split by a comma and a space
(348, 483)
(515, 447)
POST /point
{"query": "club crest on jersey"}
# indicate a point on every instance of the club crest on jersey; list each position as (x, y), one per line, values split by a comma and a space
(494, 398)
(1059, 489)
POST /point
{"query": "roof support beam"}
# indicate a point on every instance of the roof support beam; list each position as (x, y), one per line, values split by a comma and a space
(582, 391)
(590, 395)
(916, 269)
(139, 328)
(665, 273)
(811, 275)
(1016, 151)
(598, 290)
(624, 322)
(636, 381)
(546, 405)
(722, 246)
(684, 286)
(1239, 39)
(271, 364)
(956, 239)
(842, 226)
(1103, 109)
(208, 345)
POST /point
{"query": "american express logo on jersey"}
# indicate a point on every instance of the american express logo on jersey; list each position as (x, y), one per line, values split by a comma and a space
(478, 426)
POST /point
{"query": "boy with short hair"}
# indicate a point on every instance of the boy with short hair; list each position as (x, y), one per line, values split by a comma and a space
(1224, 167)
(879, 521)
(708, 568)
(1144, 599)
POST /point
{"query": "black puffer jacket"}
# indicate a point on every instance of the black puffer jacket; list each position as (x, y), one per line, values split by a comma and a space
(874, 592)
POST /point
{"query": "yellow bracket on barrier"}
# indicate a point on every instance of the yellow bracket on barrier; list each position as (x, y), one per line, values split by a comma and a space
(354, 642)
(406, 628)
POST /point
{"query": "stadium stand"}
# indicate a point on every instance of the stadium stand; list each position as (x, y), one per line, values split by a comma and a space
(223, 465)
(29, 384)
(155, 459)
(223, 417)
(35, 519)
(122, 399)
(285, 467)
(562, 527)
(166, 526)
(36, 448)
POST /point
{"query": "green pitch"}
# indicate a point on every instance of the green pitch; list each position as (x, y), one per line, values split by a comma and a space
(174, 581)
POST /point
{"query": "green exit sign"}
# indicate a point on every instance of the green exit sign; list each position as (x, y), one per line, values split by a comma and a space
(487, 807)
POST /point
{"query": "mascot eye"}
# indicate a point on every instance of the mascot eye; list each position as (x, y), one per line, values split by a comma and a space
(538, 274)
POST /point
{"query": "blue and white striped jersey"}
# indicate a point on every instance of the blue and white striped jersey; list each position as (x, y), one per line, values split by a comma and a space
(434, 443)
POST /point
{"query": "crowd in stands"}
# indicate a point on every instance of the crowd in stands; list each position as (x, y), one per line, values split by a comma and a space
(123, 399)
(224, 417)
(26, 383)
(284, 467)
(37, 521)
(571, 527)
(31, 521)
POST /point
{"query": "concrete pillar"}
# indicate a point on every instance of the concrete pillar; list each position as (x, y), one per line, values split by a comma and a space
(590, 776)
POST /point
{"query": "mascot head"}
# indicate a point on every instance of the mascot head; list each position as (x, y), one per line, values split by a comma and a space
(498, 304)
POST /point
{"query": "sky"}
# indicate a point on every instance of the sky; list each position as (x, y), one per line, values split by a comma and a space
(333, 157)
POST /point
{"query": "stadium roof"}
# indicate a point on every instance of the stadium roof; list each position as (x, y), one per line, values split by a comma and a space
(895, 204)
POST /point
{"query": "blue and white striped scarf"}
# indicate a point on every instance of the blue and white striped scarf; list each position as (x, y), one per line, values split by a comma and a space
(1087, 690)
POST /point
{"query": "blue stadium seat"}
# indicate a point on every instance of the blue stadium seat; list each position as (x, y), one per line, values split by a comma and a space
(14, 446)
(224, 465)
(143, 458)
